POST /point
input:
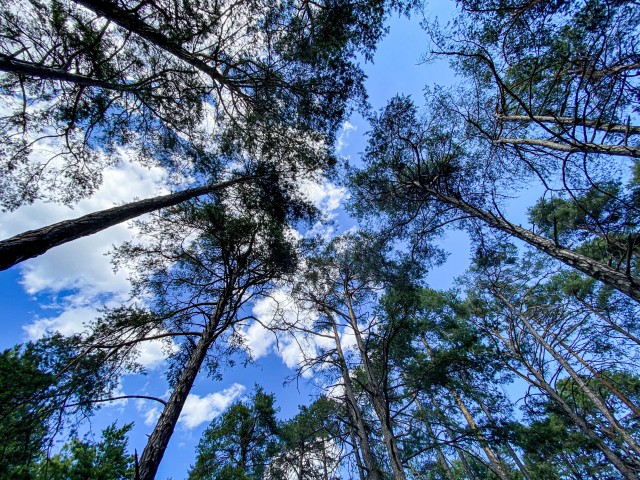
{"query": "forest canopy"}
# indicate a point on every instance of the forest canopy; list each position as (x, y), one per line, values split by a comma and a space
(258, 241)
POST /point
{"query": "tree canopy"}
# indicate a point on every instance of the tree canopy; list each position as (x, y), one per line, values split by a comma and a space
(524, 368)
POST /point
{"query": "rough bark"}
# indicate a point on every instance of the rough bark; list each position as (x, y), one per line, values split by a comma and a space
(630, 286)
(377, 397)
(354, 412)
(571, 121)
(617, 150)
(20, 67)
(162, 432)
(33, 243)
(128, 20)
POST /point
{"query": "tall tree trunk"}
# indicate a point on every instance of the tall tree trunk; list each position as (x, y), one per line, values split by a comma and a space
(378, 398)
(20, 67)
(572, 121)
(159, 438)
(354, 411)
(512, 452)
(609, 322)
(630, 286)
(130, 21)
(603, 380)
(496, 464)
(452, 438)
(442, 459)
(574, 147)
(356, 452)
(33, 243)
(615, 460)
(590, 394)
(578, 421)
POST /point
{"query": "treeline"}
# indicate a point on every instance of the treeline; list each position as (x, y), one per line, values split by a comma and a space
(525, 370)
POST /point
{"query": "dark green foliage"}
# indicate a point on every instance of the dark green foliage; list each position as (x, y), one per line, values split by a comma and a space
(86, 460)
(47, 386)
(239, 443)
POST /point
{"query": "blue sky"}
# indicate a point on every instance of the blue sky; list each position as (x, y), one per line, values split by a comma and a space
(63, 288)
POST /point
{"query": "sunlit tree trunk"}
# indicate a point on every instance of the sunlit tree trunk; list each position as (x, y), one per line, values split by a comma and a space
(33, 243)
(354, 410)
(512, 452)
(620, 281)
(378, 399)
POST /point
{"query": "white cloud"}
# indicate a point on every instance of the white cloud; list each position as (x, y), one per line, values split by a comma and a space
(151, 415)
(326, 195)
(347, 128)
(258, 340)
(198, 410)
(78, 276)
(67, 323)
(151, 354)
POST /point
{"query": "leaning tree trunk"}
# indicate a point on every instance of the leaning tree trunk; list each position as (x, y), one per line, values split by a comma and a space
(33, 243)
(442, 459)
(453, 439)
(20, 67)
(574, 147)
(130, 21)
(497, 465)
(159, 438)
(377, 397)
(354, 412)
(588, 392)
(512, 452)
(540, 382)
(620, 281)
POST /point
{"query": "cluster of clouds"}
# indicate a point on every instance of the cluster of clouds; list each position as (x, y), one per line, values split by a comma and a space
(75, 280)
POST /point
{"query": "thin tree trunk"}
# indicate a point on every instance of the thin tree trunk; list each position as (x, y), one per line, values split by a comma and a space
(352, 407)
(595, 124)
(378, 400)
(496, 464)
(590, 394)
(617, 150)
(452, 439)
(615, 279)
(615, 460)
(609, 322)
(623, 398)
(442, 459)
(542, 384)
(33, 243)
(508, 446)
(356, 452)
